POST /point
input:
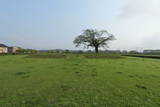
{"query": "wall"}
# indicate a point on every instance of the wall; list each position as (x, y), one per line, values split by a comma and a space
(3, 50)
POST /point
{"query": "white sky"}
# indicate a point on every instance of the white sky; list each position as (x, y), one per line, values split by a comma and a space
(139, 25)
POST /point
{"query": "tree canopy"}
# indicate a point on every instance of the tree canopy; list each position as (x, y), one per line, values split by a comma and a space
(94, 38)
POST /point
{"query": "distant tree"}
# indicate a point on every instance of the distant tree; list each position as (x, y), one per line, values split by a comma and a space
(21, 50)
(80, 51)
(94, 38)
(26, 51)
(66, 51)
(124, 52)
(133, 52)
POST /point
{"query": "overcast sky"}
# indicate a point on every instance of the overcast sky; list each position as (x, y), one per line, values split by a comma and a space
(52, 24)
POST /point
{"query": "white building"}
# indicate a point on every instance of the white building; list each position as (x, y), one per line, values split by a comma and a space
(6, 49)
(3, 48)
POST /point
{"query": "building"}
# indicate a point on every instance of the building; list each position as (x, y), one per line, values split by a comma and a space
(3, 48)
(6, 49)
(12, 49)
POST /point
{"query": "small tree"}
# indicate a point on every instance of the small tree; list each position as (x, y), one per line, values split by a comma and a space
(93, 38)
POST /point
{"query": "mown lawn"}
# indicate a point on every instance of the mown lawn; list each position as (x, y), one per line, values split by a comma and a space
(77, 81)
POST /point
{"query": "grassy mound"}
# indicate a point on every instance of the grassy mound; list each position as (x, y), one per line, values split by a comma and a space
(46, 56)
(103, 56)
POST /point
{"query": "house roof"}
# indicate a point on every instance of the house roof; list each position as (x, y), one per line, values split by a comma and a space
(2, 45)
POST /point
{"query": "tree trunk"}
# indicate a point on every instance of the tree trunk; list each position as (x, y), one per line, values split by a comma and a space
(96, 49)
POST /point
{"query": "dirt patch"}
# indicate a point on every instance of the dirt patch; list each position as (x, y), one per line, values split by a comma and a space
(135, 76)
(155, 76)
(76, 64)
(51, 67)
(77, 72)
(103, 57)
(65, 87)
(142, 87)
(94, 74)
(58, 56)
(22, 73)
(119, 72)
(30, 67)
(25, 76)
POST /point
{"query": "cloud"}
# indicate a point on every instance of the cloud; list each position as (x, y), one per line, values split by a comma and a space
(138, 25)
(136, 8)
(152, 41)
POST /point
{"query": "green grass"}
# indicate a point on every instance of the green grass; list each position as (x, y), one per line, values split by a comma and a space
(76, 81)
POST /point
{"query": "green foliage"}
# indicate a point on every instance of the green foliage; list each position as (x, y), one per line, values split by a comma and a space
(26, 51)
(93, 38)
(77, 81)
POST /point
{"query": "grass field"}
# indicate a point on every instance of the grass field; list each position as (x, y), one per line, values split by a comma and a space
(79, 81)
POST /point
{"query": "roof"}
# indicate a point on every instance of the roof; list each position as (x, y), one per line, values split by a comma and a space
(2, 45)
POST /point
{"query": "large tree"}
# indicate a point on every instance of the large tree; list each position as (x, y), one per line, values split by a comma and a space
(94, 38)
